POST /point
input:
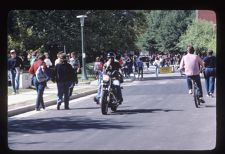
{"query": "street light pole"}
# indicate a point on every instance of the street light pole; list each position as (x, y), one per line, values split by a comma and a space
(84, 74)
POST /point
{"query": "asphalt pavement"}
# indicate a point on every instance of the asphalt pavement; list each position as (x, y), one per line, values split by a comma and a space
(157, 114)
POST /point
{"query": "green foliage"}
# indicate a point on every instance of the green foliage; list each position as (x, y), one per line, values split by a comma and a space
(165, 28)
(201, 35)
(52, 29)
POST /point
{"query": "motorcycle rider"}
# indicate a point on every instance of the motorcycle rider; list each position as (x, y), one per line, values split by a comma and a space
(110, 66)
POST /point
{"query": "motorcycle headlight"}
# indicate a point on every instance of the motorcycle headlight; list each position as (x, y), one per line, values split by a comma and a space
(105, 78)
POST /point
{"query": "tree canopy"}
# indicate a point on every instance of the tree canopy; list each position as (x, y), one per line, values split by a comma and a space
(54, 29)
(201, 35)
(104, 30)
(164, 29)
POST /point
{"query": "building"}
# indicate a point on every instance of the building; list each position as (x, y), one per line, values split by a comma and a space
(207, 15)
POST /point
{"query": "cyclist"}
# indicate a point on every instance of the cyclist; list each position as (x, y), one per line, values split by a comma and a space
(190, 64)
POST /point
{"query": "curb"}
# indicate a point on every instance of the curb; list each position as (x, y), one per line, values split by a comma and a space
(28, 108)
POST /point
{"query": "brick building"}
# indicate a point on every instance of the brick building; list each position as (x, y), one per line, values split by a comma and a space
(206, 15)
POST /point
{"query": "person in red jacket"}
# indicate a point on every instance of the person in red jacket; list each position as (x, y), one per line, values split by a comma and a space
(40, 86)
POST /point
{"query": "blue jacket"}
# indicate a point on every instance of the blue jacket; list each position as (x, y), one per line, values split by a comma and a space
(14, 62)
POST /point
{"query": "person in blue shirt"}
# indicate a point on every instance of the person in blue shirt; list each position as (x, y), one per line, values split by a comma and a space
(15, 63)
(210, 73)
(140, 65)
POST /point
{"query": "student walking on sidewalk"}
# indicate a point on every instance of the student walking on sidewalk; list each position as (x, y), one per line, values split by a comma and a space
(40, 86)
(75, 63)
(15, 63)
(64, 75)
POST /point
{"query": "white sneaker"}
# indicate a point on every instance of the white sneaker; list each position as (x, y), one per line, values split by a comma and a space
(190, 91)
(211, 95)
(207, 95)
(14, 93)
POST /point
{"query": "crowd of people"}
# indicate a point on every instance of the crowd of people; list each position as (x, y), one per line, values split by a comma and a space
(37, 63)
(42, 70)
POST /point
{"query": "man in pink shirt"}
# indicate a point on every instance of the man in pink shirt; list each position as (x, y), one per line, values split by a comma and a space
(190, 63)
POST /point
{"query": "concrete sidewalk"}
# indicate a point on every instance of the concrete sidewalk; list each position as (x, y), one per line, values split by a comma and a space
(25, 100)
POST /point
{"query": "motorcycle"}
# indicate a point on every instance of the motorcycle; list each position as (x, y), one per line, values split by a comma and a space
(108, 97)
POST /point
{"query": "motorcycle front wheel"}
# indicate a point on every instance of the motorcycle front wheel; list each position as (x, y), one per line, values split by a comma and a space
(104, 103)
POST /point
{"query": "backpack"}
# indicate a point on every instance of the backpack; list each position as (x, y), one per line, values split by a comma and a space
(40, 75)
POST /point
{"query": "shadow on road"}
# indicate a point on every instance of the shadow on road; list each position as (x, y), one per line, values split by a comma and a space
(210, 105)
(137, 111)
(62, 124)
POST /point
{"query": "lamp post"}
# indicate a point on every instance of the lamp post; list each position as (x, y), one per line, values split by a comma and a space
(84, 74)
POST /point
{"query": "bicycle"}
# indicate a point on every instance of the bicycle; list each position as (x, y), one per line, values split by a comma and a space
(196, 97)
(195, 91)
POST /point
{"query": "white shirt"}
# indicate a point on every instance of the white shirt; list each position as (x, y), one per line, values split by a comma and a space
(57, 61)
(157, 63)
(48, 62)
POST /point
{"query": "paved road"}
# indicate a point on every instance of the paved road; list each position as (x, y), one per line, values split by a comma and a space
(155, 115)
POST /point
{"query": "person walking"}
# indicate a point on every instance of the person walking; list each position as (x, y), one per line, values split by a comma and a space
(127, 66)
(34, 56)
(147, 61)
(140, 66)
(162, 61)
(39, 85)
(15, 63)
(156, 63)
(210, 73)
(98, 68)
(58, 57)
(75, 63)
(64, 76)
(48, 69)
(191, 65)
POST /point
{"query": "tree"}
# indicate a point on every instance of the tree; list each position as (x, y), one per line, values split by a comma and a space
(165, 28)
(52, 29)
(201, 35)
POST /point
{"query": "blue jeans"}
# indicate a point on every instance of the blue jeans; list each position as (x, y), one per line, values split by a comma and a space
(40, 87)
(157, 71)
(197, 79)
(100, 74)
(63, 91)
(209, 75)
(71, 88)
(140, 72)
(15, 78)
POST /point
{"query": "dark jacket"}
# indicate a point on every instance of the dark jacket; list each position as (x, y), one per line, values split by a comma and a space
(64, 72)
(15, 62)
(210, 61)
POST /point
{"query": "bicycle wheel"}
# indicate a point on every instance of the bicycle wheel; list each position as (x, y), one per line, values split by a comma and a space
(196, 100)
